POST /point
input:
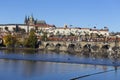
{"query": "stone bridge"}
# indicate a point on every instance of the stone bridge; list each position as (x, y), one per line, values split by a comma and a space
(76, 45)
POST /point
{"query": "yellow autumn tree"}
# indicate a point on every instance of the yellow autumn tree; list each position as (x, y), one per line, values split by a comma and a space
(9, 40)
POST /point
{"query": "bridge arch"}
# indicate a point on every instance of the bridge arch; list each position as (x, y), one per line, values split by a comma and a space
(88, 46)
(58, 45)
(71, 45)
(95, 47)
(106, 46)
(47, 44)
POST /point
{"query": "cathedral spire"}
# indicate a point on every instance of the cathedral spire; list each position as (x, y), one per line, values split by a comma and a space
(32, 17)
(26, 20)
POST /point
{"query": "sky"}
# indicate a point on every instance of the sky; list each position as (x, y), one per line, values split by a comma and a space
(78, 13)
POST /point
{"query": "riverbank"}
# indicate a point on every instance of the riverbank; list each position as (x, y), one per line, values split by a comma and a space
(5, 48)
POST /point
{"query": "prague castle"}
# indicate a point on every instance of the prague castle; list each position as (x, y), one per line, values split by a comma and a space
(29, 23)
(38, 25)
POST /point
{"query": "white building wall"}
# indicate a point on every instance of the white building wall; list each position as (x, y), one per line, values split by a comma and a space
(10, 27)
(77, 31)
(106, 33)
(83, 31)
(62, 31)
(66, 31)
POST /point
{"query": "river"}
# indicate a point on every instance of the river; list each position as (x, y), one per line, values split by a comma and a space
(39, 65)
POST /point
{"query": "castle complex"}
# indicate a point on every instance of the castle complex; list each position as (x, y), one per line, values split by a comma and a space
(38, 25)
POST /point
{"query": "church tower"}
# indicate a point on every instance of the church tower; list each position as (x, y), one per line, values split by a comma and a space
(29, 20)
(25, 20)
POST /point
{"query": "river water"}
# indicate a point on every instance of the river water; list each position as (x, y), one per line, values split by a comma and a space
(39, 65)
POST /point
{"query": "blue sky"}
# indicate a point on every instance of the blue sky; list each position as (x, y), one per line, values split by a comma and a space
(79, 13)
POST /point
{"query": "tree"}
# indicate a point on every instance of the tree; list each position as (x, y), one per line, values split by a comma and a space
(14, 29)
(91, 35)
(87, 35)
(72, 34)
(0, 29)
(31, 41)
(6, 28)
(57, 33)
(44, 36)
(94, 27)
(9, 40)
(22, 30)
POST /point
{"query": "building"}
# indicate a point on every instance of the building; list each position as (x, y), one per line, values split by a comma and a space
(80, 31)
(29, 23)
(41, 25)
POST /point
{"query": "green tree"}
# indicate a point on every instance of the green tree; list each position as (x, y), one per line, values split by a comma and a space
(31, 41)
(44, 36)
(72, 34)
(6, 28)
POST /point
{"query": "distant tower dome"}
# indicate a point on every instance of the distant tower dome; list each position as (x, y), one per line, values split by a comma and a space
(105, 27)
(65, 26)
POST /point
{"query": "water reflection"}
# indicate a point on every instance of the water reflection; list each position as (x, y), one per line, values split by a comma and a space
(36, 70)
(19, 51)
(28, 69)
(81, 58)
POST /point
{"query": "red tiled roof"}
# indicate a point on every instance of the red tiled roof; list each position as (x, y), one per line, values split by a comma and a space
(63, 28)
(43, 25)
(84, 28)
(103, 30)
(94, 30)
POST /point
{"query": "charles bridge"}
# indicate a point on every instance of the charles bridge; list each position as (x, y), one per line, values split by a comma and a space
(76, 45)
